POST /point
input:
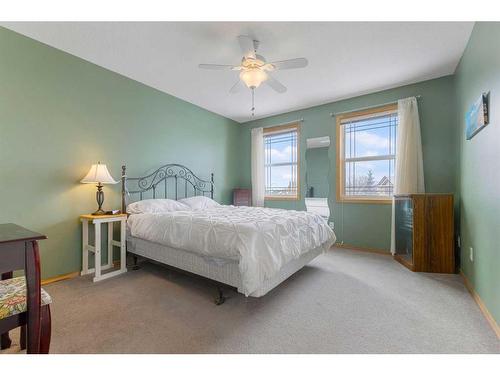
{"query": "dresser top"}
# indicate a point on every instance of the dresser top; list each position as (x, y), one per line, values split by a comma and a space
(422, 194)
(14, 233)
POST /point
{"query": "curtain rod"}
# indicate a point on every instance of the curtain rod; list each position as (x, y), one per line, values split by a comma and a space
(369, 107)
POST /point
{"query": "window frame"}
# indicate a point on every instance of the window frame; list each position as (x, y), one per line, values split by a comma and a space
(285, 129)
(340, 160)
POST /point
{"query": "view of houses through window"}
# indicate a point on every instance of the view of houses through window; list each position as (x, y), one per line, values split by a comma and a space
(367, 153)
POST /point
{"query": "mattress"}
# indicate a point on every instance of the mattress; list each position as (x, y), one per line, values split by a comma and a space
(260, 241)
(218, 269)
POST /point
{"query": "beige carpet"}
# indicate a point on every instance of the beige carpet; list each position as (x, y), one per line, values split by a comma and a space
(343, 302)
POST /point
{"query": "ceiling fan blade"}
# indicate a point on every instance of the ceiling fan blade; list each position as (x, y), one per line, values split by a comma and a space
(288, 64)
(247, 46)
(275, 84)
(218, 67)
(237, 87)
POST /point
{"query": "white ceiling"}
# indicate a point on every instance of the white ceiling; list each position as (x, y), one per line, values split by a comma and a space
(346, 59)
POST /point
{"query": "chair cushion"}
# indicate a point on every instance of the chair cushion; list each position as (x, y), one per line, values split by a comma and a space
(13, 297)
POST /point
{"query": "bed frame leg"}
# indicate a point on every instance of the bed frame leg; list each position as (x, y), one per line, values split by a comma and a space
(219, 298)
(135, 267)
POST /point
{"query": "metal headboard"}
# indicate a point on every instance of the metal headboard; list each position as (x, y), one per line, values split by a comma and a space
(155, 185)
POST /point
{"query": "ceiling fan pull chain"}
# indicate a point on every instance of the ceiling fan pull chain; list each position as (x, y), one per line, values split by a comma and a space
(253, 102)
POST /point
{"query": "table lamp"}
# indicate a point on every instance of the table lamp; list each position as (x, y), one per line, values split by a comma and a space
(99, 175)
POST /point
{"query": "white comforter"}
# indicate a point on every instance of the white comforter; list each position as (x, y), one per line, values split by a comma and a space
(262, 239)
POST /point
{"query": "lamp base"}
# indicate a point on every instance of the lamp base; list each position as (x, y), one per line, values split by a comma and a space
(100, 200)
(99, 212)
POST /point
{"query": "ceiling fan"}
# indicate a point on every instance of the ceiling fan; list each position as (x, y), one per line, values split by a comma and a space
(254, 70)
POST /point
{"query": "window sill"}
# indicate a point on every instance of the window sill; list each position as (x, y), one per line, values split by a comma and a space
(364, 200)
(281, 198)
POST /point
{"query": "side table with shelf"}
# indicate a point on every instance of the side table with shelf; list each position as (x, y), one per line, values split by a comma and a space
(87, 249)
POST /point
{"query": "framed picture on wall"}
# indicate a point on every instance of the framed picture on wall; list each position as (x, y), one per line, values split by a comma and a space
(477, 117)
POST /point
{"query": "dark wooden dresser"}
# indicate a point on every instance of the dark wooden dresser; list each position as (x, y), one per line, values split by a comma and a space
(424, 232)
(242, 197)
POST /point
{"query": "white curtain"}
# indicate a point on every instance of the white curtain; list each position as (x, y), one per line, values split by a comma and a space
(409, 171)
(258, 183)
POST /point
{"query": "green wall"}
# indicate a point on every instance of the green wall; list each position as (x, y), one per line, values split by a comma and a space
(316, 159)
(479, 177)
(367, 225)
(59, 114)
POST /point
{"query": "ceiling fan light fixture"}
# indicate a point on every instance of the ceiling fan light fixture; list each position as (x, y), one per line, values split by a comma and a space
(253, 77)
(254, 69)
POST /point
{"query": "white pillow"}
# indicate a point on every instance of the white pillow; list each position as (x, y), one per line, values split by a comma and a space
(154, 206)
(199, 203)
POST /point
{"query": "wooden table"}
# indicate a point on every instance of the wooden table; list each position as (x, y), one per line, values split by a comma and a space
(19, 250)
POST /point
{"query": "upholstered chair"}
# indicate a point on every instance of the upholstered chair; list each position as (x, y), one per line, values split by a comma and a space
(13, 313)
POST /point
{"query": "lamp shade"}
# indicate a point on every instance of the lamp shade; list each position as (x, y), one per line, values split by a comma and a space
(98, 174)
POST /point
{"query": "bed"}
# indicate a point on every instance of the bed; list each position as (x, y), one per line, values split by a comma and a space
(252, 249)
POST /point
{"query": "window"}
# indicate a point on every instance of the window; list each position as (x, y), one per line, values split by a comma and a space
(366, 155)
(281, 162)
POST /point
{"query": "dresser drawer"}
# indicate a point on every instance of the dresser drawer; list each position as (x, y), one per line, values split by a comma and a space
(242, 197)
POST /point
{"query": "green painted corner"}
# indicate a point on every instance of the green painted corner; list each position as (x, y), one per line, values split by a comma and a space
(368, 225)
(479, 165)
(59, 114)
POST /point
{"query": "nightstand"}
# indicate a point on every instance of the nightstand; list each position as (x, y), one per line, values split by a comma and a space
(97, 220)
